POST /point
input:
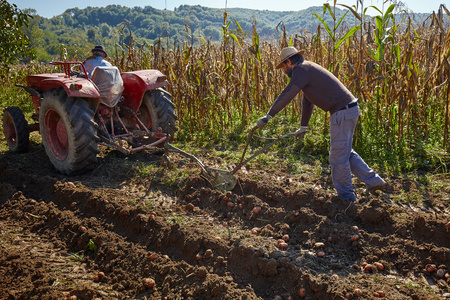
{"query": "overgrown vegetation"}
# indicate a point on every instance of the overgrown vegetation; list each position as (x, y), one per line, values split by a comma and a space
(13, 41)
(398, 70)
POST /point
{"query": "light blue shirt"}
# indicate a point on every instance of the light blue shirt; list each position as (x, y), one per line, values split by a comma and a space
(90, 64)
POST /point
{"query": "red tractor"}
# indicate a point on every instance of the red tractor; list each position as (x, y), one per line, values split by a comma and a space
(129, 112)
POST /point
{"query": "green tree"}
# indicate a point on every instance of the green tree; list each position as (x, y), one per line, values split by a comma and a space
(33, 32)
(91, 35)
(14, 43)
(212, 33)
(105, 30)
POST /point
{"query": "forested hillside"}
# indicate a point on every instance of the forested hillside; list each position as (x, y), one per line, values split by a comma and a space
(76, 31)
(80, 29)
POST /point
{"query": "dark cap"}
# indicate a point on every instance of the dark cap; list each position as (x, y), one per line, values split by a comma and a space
(100, 49)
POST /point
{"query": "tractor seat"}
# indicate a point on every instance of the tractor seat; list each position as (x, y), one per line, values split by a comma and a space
(109, 84)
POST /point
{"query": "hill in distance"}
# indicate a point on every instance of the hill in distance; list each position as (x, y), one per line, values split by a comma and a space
(115, 24)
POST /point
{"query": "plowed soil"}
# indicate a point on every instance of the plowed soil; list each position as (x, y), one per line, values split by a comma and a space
(111, 234)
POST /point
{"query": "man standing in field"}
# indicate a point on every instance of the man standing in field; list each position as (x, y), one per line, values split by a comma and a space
(321, 88)
(97, 59)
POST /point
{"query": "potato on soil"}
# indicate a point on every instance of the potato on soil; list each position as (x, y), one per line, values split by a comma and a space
(319, 245)
(379, 266)
(370, 268)
(71, 184)
(430, 268)
(334, 277)
(208, 253)
(148, 283)
(395, 251)
(99, 276)
(282, 245)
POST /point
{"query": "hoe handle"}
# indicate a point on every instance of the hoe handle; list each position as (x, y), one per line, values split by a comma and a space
(241, 163)
(275, 140)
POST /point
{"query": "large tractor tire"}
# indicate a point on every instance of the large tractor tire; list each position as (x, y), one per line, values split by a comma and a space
(15, 129)
(157, 110)
(69, 133)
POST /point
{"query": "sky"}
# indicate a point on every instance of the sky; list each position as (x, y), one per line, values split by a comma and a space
(51, 8)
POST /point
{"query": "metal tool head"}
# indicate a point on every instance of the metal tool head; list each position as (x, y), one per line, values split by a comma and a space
(221, 179)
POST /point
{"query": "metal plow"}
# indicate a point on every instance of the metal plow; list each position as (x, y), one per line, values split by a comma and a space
(225, 179)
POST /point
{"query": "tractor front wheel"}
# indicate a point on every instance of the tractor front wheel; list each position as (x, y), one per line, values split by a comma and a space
(69, 133)
(15, 129)
(158, 111)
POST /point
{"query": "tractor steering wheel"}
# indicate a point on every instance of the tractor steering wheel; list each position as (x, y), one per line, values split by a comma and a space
(75, 70)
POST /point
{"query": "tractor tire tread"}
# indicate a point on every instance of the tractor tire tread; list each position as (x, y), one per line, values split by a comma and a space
(82, 131)
(22, 132)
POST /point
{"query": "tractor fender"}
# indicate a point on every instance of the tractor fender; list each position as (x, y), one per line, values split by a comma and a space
(74, 87)
(136, 83)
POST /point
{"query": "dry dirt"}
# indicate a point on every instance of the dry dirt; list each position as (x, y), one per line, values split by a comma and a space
(100, 235)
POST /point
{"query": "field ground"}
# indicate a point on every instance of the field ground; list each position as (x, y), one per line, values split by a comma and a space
(99, 235)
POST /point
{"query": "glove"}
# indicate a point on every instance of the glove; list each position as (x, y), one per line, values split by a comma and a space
(300, 132)
(263, 121)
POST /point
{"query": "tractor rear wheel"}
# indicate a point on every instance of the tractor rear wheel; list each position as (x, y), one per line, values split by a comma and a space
(69, 133)
(158, 110)
(15, 129)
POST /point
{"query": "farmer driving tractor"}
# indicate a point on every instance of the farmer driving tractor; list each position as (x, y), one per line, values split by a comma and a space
(97, 59)
(321, 88)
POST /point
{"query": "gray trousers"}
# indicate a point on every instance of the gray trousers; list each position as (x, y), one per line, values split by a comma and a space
(343, 159)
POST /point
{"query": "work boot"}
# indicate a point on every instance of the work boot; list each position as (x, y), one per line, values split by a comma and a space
(374, 189)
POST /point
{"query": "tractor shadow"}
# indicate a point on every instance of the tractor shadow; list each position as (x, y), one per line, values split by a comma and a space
(111, 171)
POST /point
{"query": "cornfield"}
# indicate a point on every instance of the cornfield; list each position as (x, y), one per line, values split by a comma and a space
(397, 70)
